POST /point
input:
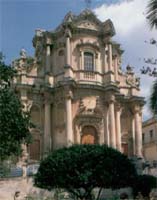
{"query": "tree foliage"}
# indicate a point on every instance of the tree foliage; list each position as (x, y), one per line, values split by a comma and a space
(153, 98)
(152, 13)
(81, 168)
(144, 184)
(14, 123)
(152, 19)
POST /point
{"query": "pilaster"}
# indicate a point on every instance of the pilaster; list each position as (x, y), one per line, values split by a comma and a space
(25, 155)
(47, 125)
(133, 135)
(138, 130)
(69, 129)
(116, 68)
(48, 54)
(68, 69)
(118, 126)
(105, 59)
(110, 56)
(112, 121)
(106, 126)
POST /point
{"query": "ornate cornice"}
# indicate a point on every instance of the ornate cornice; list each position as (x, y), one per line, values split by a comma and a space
(93, 45)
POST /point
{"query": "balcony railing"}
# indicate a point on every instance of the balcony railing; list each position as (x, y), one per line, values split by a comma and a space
(78, 75)
(88, 76)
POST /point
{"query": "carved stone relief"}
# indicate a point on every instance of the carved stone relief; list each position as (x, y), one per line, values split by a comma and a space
(88, 25)
(131, 78)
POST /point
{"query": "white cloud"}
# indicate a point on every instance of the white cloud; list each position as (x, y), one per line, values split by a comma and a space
(126, 15)
(132, 30)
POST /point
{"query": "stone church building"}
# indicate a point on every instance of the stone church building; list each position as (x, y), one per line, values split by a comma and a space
(76, 90)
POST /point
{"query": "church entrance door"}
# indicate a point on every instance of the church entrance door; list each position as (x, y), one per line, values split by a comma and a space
(89, 135)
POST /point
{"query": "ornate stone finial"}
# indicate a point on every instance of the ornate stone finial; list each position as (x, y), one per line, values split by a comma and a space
(68, 17)
(23, 53)
(131, 79)
(39, 32)
(129, 69)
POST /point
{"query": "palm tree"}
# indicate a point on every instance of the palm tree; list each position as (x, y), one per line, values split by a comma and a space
(152, 13)
(153, 98)
(152, 19)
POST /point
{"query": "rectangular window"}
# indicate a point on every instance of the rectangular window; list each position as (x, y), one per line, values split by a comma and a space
(88, 61)
(34, 150)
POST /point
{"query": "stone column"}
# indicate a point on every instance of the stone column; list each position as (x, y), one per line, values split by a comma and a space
(116, 68)
(118, 127)
(78, 135)
(98, 66)
(133, 135)
(112, 123)
(25, 156)
(69, 130)
(48, 54)
(110, 56)
(138, 132)
(81, 64)
(47, 128)
(105, 60)
(68, 73)
(68, 53)
(81, 60)
(107, 136)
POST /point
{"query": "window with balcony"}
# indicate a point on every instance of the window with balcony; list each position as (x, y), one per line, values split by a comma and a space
(88, 61)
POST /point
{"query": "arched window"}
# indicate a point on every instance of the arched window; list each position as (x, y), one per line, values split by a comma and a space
(88, 61)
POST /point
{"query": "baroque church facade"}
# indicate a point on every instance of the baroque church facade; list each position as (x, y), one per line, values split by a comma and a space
(76, 90)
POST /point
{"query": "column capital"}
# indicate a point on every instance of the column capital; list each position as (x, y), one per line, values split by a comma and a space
(68, 33)
(118, 107)
(47, 98)
(137, 109)
(68, 94)
(109, 42)
(111, 98)
(48, 42)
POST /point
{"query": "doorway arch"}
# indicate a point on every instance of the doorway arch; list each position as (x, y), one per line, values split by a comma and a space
(89, 135)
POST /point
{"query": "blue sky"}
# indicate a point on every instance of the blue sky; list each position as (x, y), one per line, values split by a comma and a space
(20, 18)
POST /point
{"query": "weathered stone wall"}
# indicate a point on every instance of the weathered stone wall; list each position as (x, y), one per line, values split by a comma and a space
(8, 187)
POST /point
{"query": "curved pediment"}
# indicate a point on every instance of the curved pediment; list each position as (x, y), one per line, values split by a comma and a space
(86, 24)
(87, 20)
(108, 27)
